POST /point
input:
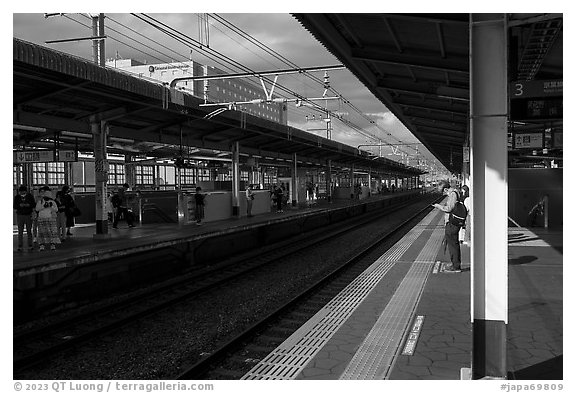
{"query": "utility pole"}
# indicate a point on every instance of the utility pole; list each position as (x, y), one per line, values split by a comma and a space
(97, 38)
(98, 46)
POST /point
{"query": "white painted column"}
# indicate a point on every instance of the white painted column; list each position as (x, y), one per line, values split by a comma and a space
(489, 177)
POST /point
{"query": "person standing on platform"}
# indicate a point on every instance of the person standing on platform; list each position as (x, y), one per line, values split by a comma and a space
(109, 207)
(199, 210)
(24, 204)
(450, 230)
(249, 200)
(60, 216)
(465, 230)
(47, 230)
(69, 208)
(120, 202)
(279, 194)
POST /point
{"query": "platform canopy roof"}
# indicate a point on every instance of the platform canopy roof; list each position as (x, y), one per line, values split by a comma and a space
(417, 65)
(57, 96)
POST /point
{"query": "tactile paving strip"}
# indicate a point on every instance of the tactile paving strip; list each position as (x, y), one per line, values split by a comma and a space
(288, 359)
(376, 354)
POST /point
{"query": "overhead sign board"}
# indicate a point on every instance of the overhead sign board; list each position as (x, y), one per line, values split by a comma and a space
(536, 108)
(22, 157)
(536, 88)
(536, 100)
(29, 156)
(67, 155)
(529, 140)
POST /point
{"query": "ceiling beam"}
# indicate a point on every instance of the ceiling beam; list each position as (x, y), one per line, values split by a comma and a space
(425, 60)
(435, 89)
(454, 19)
(433, 122)
(432, 108)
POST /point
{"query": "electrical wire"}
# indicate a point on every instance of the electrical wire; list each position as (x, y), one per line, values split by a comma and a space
(223, 60)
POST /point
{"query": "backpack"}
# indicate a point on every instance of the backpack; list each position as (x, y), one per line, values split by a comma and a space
(459, 213)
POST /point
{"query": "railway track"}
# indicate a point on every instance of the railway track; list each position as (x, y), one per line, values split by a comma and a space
(237, 356)
(34, 346)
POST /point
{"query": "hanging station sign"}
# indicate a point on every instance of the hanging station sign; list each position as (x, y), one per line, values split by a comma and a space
(533, 140)
(23, 157)
(536, 100)
(30, 156)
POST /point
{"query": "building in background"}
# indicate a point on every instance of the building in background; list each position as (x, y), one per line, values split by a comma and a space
(213, 91)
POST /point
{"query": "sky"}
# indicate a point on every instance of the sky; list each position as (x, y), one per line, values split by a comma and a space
(130, 37)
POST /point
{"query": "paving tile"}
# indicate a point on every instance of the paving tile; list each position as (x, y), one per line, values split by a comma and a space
(326, 364)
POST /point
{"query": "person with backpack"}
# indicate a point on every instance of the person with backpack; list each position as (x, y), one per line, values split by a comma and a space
(455, 218)
(465, 193)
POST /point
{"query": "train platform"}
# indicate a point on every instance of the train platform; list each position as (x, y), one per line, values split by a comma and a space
(85, 245)
(405, 318)
(86, 266)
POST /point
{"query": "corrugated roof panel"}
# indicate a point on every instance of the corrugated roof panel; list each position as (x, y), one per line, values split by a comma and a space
(39, 56)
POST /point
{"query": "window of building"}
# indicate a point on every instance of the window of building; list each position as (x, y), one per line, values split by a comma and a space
(203, 174)
(18, 176)
(116, 174)
(244, 176)
(188, 176)
(50, 173)
(144, 175)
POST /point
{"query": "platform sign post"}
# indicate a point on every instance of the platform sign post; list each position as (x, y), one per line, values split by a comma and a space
(99, 130)
(489, 178)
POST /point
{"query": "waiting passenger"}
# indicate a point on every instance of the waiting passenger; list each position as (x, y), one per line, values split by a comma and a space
(278, 195)
(109, 207)
(120, 203)
(249, 200)
(465, 230)
(451, 230)
(47, 231)
(60, 216)
(69, 208)
(41, 192)
(199, 210)
(24, 205)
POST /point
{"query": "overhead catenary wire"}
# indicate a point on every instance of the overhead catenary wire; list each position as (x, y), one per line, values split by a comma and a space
(286, 61)
(217, 56)
(227, 63)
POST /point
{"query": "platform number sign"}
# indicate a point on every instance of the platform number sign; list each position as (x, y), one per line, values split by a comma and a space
(536, 100)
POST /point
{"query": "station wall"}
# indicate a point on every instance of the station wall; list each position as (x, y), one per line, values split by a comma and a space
(527, 186)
